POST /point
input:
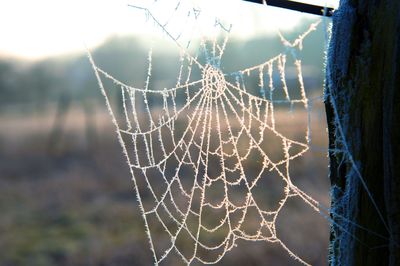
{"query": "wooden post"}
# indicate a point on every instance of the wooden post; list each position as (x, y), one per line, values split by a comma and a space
(363, 112)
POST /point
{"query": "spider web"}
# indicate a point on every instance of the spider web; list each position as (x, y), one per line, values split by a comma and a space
(201, 150)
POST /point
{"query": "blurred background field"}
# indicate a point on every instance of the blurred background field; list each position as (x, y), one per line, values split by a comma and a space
(66, 197)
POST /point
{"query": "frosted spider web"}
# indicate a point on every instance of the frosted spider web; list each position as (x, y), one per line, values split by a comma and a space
(201, 148)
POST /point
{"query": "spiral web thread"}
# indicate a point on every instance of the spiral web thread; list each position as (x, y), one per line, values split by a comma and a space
(188, 149)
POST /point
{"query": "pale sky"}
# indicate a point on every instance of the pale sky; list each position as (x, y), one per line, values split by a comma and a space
(40, 28)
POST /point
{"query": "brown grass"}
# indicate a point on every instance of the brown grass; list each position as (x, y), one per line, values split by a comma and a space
(74, 204)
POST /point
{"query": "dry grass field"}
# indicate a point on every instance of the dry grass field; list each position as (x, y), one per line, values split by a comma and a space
(71, 201)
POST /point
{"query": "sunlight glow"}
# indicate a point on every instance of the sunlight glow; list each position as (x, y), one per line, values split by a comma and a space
(37, 29)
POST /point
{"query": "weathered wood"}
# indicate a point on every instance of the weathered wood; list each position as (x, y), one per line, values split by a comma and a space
(363, 112)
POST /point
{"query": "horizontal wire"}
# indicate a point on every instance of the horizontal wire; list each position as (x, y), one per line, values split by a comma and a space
(297, 6)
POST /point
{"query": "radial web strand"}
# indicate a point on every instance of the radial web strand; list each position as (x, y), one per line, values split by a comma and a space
(204, 149)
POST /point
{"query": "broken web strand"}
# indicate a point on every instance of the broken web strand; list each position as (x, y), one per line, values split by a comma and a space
(207, 107)
(164, 29)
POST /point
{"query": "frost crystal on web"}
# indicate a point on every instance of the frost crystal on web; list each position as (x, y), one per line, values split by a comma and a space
(201, 150)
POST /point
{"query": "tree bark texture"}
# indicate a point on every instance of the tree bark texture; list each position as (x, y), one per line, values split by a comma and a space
(363, 112)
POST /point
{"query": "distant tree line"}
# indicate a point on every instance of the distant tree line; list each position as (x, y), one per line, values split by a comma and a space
(36, 84)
